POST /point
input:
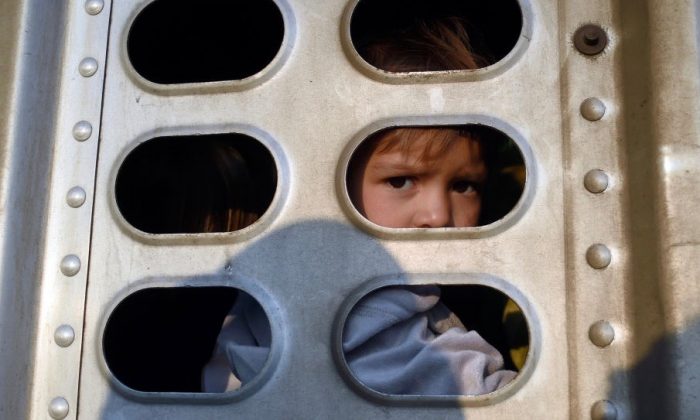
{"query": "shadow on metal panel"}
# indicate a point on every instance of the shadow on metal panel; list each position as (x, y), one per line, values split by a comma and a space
(665, 384)
(333, 259)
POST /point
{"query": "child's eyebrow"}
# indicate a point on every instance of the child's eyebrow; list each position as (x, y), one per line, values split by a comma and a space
(473, 172)
(398, 166)
(392, 166)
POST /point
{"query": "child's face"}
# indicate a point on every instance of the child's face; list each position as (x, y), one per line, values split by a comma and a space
(400, 189)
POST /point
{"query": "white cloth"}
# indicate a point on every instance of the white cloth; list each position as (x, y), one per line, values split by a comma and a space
(396, 340)
(403, 340)
(241, 348)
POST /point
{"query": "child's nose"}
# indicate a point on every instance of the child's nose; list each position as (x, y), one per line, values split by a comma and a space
(433, 211)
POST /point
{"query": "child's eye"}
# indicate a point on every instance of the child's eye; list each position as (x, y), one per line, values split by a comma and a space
(464, 186)
(400, 182)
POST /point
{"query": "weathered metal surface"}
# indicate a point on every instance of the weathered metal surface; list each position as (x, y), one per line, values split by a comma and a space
(311, 254)
(322, 103)
(30, 64)
(43, 97)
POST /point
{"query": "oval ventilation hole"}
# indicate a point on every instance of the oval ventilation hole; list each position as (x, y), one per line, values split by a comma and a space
(196, 184)
(436, 176)
(401, 36)
(159, 339)
(433, 340)
(180, 41)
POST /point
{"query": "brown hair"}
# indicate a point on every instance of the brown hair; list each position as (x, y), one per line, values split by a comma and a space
(234, 210)
(427, 45)
(441, 139)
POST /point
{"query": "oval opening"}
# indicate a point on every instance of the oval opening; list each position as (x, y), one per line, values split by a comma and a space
(196, 184)
(160, 339)
(429, 340)
(178, 41)
(402, 36)
(436, 176)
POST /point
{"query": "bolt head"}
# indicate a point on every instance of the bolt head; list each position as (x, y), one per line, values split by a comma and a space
(76, 197)
(598, 256)
(596, 181)
(58, 408)
(88, 67)
(591, 37)
(592, 109)
(94, 7)
(602, 334)
(64, 335)
(70, 265)
(603, 410)
(82, 130)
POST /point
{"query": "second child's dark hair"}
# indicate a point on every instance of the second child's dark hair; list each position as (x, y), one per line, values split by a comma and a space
(427, 45)
(186, 185)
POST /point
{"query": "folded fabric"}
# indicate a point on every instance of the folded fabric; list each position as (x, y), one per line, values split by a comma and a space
(396, 340)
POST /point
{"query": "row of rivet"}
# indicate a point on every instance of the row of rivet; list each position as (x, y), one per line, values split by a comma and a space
(592, 40)
(76, 196)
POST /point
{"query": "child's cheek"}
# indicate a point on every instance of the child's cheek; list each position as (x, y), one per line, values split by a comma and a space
(383, 207)
(374, 203)
(467, 209)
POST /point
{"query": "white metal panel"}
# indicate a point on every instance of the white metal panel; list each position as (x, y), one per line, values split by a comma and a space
(48, 160)
(310, 257)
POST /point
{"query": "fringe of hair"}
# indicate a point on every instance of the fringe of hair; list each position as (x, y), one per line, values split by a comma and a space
(430, 45)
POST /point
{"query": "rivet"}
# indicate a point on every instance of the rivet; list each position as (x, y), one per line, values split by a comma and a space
(70, 265)
(82, 130)
(590, 39)
(598, 256)
(601, 334)
(592, 109)
(64, 335)
(75, 197)
(596, 181)
(88, 67)
(94, 7)
(603, 410)
(58, 408)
